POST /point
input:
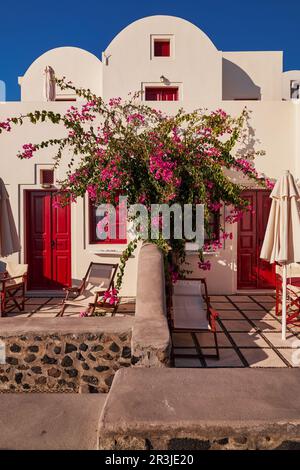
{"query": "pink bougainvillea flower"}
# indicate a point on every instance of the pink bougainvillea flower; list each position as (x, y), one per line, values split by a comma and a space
(114, 102)
(227, 236)
(28, 150)
(56, 204)
(111, 297)
(174, 274)
(142, 198)
(212, 152)
(83, 314)
(92, 191)
(220, 113)
(215, 206)
(205, 265)
(6, 125)
(269, 184)
(136, 119)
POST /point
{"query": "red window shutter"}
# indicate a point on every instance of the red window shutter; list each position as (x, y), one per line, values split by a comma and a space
(152, 94)
(161, 94)
(162, 48)
(170, 94)
(47, 177)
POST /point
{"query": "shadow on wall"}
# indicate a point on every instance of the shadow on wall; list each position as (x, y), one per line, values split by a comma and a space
(236, 83)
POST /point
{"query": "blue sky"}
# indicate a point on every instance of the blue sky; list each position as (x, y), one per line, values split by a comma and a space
(30, 28)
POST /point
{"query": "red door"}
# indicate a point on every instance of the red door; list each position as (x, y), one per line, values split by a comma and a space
(48, 241)
(252, 272)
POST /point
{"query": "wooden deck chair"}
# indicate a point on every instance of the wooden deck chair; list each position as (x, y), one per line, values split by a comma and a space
(98, 279)
(190, 312)
(13, 287)
(293, 293)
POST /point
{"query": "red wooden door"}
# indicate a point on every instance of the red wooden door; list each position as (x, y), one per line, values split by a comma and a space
(48, 242)
(252, 272)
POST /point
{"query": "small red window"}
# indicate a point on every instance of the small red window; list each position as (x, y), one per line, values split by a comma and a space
(162, 48)
(47, 177)
(120, 231)
(161, 94)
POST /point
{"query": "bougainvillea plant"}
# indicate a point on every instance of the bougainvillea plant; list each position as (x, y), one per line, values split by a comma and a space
(127, 148)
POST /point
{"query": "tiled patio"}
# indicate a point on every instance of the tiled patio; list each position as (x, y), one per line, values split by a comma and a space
(249, 335)
(49, 307)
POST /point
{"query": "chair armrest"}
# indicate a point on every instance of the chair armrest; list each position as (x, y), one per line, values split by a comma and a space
(71, 289)
(10, 278)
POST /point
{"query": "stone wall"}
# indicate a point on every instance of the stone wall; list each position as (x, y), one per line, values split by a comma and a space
(83, 354)
(151, 342)
(64, 355)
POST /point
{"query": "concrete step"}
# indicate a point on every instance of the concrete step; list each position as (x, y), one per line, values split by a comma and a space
(49, 421)
(202, 409)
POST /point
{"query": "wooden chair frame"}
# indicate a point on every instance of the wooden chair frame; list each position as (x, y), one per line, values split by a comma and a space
(12, 292)
(212, 316)
(75, 291)
(293, 300)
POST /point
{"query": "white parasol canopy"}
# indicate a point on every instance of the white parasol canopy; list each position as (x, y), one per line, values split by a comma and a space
(282, 237)
(9, 240)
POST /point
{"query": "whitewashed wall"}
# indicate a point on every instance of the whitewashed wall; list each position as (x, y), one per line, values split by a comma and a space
(127, 65)
(77, 65)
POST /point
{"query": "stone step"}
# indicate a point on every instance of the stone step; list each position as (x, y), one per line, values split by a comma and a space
(49, 421)
(202, 409)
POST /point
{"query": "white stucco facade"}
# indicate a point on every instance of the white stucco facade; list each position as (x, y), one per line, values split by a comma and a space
(205, 77)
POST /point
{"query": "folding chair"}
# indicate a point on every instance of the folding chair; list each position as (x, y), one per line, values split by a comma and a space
(99, 278)
(13, 287)
(190, 312)
(293, 293)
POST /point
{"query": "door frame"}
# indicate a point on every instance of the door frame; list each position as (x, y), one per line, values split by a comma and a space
(26, 232)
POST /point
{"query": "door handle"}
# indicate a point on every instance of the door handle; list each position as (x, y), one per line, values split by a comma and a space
(52, 243)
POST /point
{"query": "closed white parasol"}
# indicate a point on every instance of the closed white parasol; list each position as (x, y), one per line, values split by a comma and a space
(282, 237)
(49, 84)
(9, 240)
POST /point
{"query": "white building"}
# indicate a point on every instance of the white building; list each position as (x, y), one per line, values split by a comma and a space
(175, 64)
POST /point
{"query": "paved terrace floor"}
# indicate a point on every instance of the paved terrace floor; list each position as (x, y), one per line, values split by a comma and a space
(249, 335)
(49, 307)
(249, 332)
